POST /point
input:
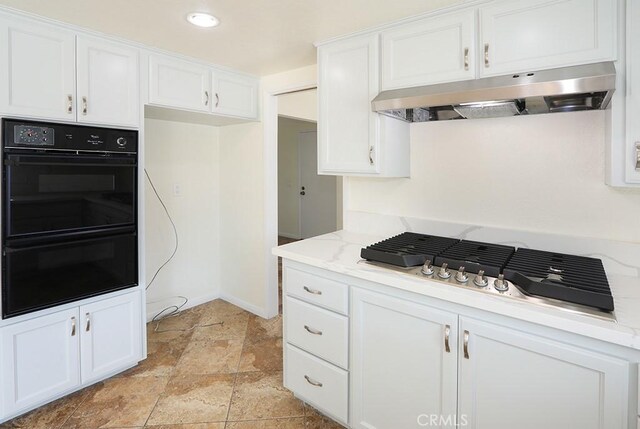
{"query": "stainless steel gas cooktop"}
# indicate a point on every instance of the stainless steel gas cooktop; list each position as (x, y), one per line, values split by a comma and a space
(572, 283)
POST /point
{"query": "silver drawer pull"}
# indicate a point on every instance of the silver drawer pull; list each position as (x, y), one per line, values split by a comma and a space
(466, 58)
(312, 331)
(88, 327)
(447, 332)
(73, 326)
(312, 382)
(313, 291)
(466, 344)
(486, 55)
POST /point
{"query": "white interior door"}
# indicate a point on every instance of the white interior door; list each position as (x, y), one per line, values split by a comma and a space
(317, 193)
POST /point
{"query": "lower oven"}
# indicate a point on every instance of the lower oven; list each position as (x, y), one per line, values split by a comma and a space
(39, 274)
(69, 213)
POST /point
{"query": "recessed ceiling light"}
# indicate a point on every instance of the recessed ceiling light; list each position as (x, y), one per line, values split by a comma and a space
(203, 19)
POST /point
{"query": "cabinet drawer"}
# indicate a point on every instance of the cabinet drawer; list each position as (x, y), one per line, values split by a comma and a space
(317, 382)
(317, 290)
(318, 331)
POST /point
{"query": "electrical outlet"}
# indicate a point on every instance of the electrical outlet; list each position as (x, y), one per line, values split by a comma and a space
(177, 189)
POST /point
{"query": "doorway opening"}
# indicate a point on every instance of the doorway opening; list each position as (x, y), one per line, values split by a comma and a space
(309, 204)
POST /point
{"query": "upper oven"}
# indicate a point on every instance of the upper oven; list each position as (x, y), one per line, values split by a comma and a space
(67, 178)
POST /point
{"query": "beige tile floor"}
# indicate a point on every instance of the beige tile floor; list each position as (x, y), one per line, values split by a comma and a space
(226, 373)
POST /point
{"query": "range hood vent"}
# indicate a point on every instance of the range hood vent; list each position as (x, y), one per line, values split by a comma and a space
(567, 89)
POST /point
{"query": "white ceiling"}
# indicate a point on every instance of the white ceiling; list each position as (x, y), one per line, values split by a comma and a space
(255, 36)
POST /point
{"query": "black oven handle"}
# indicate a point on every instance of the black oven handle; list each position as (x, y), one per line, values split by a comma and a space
(18, 160)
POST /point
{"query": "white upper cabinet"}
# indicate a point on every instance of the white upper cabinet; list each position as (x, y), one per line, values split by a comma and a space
(431, 50)
(178, 83)
(234, 95)
(524, 35)
(37, 70)
(510, 379)
(108, 90)
(351, 140)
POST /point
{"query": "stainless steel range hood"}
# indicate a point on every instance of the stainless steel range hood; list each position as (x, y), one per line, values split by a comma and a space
(567, 89)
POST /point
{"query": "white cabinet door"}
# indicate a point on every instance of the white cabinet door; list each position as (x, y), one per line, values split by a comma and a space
(234, 95)
(111, 333)
(630, 162)
(180, 84)
(347, 128)
(432, 50)
(512, 379)
(39, 360)
(37, 70)
(108, 90)
(525, 35)
(402, 372)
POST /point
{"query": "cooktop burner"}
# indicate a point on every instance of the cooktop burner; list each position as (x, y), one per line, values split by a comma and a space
(408, 249)
(571, 282)
(475, 257)
(576, 279)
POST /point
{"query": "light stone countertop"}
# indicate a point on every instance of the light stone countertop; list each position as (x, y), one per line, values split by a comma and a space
(340, 252)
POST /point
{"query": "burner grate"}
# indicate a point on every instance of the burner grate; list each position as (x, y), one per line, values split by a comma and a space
(475, 256)
(576, 279)
(408, 249)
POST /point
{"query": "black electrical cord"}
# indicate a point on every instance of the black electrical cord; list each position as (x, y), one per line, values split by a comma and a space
(172, 310)
(175, 233)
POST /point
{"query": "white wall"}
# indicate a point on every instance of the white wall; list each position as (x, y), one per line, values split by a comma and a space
(540, 173)
(299, 105)
(288, 174)
(186, 155)
(242, 216)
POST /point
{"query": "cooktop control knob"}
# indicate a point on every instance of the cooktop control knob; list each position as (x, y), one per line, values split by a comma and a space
(427, 268)
(480, 280)
(461, 276)
(444, 272)
(121, 141)
(500, 284)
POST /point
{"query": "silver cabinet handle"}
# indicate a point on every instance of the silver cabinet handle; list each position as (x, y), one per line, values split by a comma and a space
(312, 381)
(217, 99)
(312, 331)
(486, 55)
(73, 326)
(466, 58)
(637, 155)
(312, 291)
(69, 103)
(447, 332)
(84, 105)
(465, 342)
(371, 155)
(206, 98)
(88, 327)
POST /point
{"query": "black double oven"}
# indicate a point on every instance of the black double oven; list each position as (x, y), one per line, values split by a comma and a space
(69, 213)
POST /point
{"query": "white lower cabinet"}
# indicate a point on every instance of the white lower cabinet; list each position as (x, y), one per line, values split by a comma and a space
(404, 363)
(416, 362)
(45, 357)
(318, 382)
(40, 360)
(111, 337)
(511, 379)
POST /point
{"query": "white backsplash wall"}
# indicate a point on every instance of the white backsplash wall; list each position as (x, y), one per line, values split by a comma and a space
(541, 173)
(186, 155)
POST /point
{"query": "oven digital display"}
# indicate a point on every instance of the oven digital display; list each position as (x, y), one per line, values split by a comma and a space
(33, 136)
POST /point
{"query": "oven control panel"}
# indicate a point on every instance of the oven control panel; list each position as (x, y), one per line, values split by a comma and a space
(33, 136)
(41, 136)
